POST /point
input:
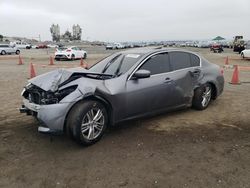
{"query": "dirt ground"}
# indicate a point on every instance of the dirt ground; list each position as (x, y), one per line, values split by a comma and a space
(187, 148)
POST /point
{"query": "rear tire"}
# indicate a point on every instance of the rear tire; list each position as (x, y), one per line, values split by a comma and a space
(202, 97)
(84, 56)
(87, 122)
(73, 57)
(17, 52)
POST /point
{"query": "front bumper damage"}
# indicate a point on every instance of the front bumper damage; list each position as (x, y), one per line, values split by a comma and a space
(51, 117)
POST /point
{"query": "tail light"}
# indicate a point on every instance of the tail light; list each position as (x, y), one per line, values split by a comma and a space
(68, 50)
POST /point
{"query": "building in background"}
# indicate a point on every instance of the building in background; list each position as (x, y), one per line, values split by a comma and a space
(77, 32)
(55, 32)
(67, 36)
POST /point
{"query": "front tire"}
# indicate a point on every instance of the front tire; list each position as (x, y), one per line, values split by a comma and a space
(242, 55)
(17, 52)
(87, 122)
(3, 52)
(73, 57)
(202, 97)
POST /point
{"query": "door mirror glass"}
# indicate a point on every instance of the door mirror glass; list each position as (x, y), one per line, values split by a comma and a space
(141, 74)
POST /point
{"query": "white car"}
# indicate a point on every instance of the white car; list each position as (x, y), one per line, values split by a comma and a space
(246, 53)
(7, 49)
(70, 53)
(20, 45)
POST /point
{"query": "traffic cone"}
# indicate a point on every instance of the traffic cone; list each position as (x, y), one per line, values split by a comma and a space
(235, 79)
(20, 62)
(32, 71)
(51, 61)
(227, 61)
(81, 62)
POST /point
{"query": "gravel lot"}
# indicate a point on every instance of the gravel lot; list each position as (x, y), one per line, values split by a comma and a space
(187, 148)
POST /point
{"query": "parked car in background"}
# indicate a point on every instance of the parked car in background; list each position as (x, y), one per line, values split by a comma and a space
(70, 53)
(216, 48)
(41, 46)
(246, 53)
(7, 49)
(20, 45)
(125, 85)
(115, 46)
(109, 46)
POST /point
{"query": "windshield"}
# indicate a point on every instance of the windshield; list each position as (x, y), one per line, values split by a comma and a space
(116, 64)
(62, 48)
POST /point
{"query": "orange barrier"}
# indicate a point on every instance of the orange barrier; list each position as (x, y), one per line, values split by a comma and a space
(244, 68)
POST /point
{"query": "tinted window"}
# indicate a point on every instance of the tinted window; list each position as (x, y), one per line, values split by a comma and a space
(179, 60)
(195, 60)
(157, 64)
(4, 46)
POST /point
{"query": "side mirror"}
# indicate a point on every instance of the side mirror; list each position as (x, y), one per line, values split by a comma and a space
(141, 74)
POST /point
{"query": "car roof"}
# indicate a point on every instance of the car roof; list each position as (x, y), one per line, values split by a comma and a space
(150, 50)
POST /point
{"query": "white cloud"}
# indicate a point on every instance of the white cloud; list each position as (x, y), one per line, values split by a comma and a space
(116, 20)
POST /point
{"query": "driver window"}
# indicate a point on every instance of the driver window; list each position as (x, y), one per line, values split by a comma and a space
(157, 64)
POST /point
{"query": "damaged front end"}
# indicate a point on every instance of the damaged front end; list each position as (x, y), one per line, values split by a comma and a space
(50, 96)
(47, 107)
(39, 96)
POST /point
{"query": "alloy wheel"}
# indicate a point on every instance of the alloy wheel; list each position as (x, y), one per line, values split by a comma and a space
(92, 124)
(206, 96)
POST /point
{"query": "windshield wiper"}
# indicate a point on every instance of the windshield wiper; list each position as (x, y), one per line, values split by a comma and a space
(110, 63)
(117, 72)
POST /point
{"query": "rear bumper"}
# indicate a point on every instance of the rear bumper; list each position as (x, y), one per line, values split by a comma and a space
(51, 117)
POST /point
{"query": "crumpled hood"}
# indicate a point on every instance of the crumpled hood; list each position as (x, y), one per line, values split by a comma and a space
(51, 80)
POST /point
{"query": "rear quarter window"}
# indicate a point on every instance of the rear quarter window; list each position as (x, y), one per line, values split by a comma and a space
(195, 60)
(179, 60)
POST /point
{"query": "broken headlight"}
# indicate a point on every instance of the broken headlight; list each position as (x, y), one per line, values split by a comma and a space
(64, 92)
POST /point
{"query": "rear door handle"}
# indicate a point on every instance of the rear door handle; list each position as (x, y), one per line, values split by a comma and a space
(196, 72)
(168, 80)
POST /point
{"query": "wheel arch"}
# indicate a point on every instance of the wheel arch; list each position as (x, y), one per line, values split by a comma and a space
(214, 88)
(100, 99)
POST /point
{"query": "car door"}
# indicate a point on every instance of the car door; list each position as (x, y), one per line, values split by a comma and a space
(186, 72)
(11, 49)
(78, 52)
(150, 94)
(8, 49)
